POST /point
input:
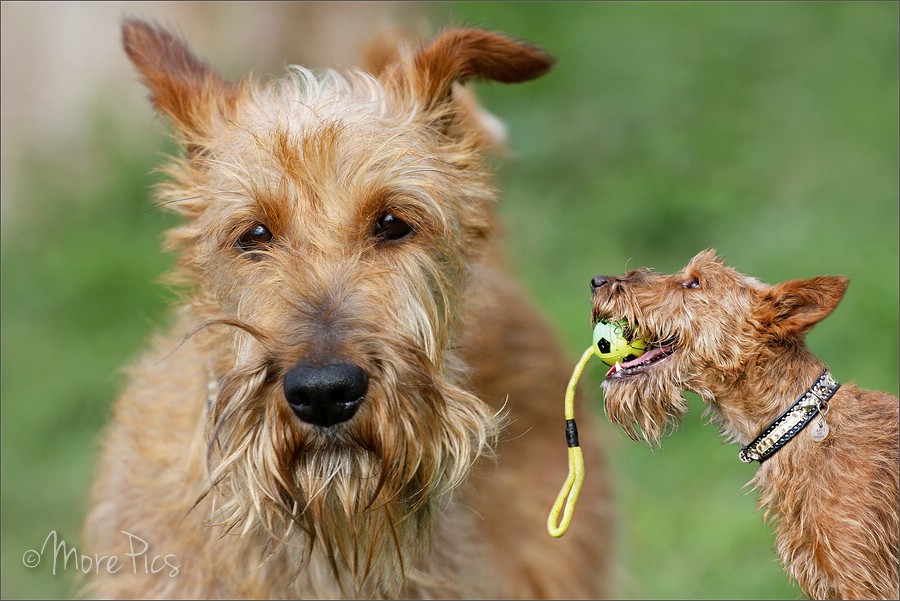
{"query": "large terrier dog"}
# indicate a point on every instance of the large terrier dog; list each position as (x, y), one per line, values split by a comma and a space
(322, 418)
(829, 453)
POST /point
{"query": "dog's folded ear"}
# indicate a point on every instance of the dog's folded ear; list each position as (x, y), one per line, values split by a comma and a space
(457, 55)
(181, 86)
(433, 75)
(790, 309)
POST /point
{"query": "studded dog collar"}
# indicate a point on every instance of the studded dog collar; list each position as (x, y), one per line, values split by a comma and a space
(794, 419)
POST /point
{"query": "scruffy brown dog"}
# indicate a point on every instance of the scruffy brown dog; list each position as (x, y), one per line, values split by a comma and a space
(355, 400)
(831, 487)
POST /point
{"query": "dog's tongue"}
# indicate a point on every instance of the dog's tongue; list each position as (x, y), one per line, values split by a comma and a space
(645, 358)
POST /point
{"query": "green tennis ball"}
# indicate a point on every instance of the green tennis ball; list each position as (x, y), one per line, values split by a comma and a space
(611, 346)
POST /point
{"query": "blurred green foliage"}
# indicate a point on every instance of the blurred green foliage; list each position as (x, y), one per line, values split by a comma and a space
(766, 130)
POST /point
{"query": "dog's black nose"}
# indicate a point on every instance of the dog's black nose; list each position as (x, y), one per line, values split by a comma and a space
(325, 395)
(598, 281)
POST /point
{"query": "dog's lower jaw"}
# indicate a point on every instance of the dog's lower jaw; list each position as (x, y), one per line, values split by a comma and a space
(645, 406)
(646, 363)
(353, 506)
(347, 535)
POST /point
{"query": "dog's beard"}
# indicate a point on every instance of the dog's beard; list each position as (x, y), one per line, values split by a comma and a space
(361, 495)
(647, 406)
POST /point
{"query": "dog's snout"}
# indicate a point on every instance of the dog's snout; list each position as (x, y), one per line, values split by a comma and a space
(325, 395)
(599, 281)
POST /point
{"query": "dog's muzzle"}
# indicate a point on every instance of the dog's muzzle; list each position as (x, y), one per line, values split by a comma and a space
(325, 395)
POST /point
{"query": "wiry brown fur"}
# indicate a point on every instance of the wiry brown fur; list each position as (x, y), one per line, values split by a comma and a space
(740, 346)
(440, 484)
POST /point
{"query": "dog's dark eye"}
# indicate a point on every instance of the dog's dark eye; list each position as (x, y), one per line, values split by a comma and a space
(691, 283)
(391, 227)
(255, 238)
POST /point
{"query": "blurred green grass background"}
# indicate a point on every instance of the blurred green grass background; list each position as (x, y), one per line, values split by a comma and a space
(766, 130)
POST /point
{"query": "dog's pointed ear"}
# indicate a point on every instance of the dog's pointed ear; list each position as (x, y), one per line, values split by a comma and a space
(458, 55)
(792, 308)
(181, 86)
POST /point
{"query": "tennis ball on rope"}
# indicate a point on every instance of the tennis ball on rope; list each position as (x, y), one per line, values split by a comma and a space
(611, 345)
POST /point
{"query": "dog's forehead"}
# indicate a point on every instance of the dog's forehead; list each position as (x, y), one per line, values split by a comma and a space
(304, 101)
(329, 133)
(325, 94)
(333, 113)
(711, 268)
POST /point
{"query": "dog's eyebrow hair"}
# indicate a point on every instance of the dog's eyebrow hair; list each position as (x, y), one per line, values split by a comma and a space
(165, 203)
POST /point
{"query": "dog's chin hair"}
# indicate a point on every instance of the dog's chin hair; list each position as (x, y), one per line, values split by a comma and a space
(361, 494)
(647, 408)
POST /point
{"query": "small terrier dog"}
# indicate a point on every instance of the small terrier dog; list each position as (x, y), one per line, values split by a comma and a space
(831, 488)
(355, 399)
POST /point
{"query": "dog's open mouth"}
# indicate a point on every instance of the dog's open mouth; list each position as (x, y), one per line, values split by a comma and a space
(648, 360)
(653, 352)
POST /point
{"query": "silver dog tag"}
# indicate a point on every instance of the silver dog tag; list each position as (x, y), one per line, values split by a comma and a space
(820, 429)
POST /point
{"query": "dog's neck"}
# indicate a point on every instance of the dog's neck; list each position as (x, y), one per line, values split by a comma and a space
(746, 405)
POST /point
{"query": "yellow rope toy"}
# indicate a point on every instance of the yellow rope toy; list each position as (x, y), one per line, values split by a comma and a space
(610, 345)
(572, 486)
